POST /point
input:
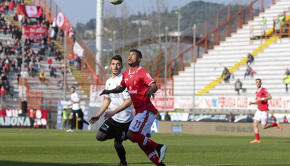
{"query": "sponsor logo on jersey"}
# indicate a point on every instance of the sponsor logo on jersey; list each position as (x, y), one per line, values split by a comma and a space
(132, 91)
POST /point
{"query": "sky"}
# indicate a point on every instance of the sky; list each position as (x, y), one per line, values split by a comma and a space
(84, 10)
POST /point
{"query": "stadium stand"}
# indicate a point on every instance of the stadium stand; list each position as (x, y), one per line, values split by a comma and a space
(269, 64)
(47, 95)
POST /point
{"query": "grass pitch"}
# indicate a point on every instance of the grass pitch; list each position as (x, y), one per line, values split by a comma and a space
(40, 147)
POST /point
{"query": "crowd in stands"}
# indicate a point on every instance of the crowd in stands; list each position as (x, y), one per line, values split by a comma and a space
(12, 51)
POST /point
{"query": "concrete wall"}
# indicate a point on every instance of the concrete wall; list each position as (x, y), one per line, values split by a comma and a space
(221, 128)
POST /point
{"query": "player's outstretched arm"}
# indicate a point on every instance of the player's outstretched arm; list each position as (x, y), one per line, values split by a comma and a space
(153, 88)
(118, 89)
(126, 104)
(104, 106)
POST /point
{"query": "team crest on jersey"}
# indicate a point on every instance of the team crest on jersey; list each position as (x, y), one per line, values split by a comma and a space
(130, 87)
(126, 79)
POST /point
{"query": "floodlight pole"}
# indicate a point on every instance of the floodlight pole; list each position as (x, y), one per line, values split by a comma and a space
(194, 59)
(165, 68)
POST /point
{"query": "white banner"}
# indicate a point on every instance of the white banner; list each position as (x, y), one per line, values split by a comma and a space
(31, 11)
(95, 98)
(227, 102)
(78, 49)
(60, 19)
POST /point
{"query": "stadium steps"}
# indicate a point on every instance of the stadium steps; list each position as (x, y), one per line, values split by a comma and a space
(28, 2)
(230, 52)
(238, 65)
(79, 76)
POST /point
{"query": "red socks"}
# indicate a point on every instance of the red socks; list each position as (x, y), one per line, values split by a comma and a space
(274, 124)
(150, 152)
(257, 136)
(142, 140)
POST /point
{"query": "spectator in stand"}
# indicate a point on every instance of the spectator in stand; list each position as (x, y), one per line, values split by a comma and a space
(6, 4)
(226, 75)
(285, 120)
(49, 61)
(42, 76)
(76, 61)
(238, 86)
(11, 7)
(231, 117)
(2, 91)
(15, 17)
(52, 71)
(250, 118)
(167, 117)
(249, 71)
(272, 118)
(31, 71)
(11, 92)
(287, 78)
(60, 36)
(26, 61)
(69, 59)
(250, 59)
(58, 55)
(50, 48)
(264, 24)
(4, 77)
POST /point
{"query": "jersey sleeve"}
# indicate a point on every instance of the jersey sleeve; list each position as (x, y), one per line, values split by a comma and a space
(125, 94)
(107, 87)
(122, 83)
(147, 78)
(265, 92)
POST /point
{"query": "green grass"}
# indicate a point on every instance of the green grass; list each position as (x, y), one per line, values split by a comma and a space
(40, 147)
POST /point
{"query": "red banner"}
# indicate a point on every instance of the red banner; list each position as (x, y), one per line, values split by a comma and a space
(34, 32)
(29, 11)
(62, 22)
(158, 102)
(40, 116)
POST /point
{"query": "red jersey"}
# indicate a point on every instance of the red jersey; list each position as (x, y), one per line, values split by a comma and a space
(263, 104)
(137, 83)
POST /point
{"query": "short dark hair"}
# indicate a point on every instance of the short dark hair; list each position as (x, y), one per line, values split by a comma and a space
(139, 54)
(118, 58)
(259, 79)
(73, 87)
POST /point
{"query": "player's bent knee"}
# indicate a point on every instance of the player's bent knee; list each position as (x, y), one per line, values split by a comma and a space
(264, 126)
(130, 134)
(101, 136)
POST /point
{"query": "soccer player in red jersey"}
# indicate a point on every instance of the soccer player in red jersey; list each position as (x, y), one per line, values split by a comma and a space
(141, 87)
(262, 97)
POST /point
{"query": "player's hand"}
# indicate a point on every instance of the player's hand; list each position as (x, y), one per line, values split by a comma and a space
(94, 119)
(149, 93)
(109, 114)
(105, 92)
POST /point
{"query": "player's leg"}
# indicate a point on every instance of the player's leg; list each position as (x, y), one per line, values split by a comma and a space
(121, 152)
(265, 123)
(151, 155)
(257, 119)
(141, 126)
(72, 121)
(121, 131)
(107, 130)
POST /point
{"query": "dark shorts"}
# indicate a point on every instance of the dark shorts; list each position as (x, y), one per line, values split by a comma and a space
(115, 130)
(77, 113)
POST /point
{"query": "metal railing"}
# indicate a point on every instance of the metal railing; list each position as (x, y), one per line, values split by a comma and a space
(209, 33)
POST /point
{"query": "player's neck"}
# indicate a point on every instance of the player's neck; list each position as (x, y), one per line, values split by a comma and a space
(133, 67)
(115, 75)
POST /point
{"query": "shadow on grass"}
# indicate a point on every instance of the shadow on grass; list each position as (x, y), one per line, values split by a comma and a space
(14, 163)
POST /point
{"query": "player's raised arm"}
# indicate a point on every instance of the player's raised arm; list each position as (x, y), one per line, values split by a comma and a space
(104, 106)
(153, 88)
(126, 104)
(118, 89)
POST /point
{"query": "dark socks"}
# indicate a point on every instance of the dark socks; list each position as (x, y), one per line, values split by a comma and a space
(122, 154)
